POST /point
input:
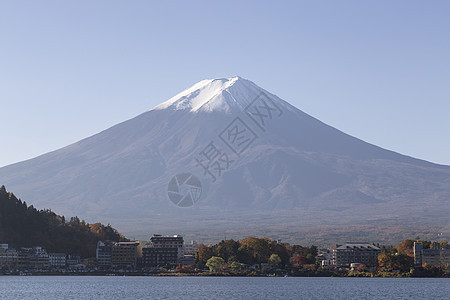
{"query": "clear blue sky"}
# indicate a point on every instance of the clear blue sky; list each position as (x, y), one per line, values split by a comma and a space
(378, 70)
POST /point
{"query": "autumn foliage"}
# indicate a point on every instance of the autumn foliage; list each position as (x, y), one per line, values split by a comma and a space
(254, 250)
(25, 226)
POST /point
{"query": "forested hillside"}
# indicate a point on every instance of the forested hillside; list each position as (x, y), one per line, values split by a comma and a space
(25, 226)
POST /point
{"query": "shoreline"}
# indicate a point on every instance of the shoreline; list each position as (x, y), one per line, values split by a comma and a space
(208, 274)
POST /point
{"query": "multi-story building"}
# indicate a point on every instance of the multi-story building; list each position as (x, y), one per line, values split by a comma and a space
(23, 261)
(57, 260)
(103, 254)
(125, 254)
(165, 241)
(33, 258)
(73, 260)
(159, 257)
(187, 260)
(363, 253)
(434, 257)
(326, 257)
(40, 258)
(8, 257)
(189, 248)
(164, 251)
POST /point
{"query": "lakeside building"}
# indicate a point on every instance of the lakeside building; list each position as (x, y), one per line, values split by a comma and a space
(73, 261)
(9, 257)
(326, 257)
(33, 258)
(434, 257)
(118, 254)
(188, 258)
(165, 241)
(159, 257)
(125, 254)
(163, 251)
(189, 248)
(362, 253)
(57, 260)
(103, 254)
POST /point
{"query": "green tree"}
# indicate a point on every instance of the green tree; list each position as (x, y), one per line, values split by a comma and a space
(235, 266)
(281, 250)
(215, 264)
(274, 260)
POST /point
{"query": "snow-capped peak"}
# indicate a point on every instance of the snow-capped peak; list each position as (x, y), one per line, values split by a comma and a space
(209, 95)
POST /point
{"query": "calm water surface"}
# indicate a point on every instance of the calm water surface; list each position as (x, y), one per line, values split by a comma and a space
(115, 287)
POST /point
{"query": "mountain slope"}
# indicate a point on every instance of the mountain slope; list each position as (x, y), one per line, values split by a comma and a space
(25, 226)
(269, 158)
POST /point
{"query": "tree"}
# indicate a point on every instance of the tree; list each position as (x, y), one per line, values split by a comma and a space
(391, 262)
(444, 244)
(74, 221)
(25, 226)
(281, 251)
(245, 255)
(235, 266)
(259, 248)
(384, 261)
(205, 253)
(215, 264)
(406, 247)
(297, 260)
(227, 249)
(274, 260)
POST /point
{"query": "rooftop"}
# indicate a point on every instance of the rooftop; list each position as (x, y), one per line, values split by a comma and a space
(363, 246)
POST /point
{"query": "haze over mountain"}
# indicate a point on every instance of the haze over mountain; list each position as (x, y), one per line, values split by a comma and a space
(259, 166)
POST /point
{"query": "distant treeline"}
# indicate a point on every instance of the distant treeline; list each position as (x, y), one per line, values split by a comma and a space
(25, 226)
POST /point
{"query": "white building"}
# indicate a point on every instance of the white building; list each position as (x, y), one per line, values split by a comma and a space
(57, 260)
(104, 254)
(189, 248)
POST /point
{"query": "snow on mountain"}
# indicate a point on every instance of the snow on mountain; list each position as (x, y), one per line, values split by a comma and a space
(212, 95)
(252, 161)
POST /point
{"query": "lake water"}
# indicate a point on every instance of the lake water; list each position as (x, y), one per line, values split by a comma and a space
(115, 287)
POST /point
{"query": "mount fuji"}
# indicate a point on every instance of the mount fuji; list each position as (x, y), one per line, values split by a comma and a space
(228, 158)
